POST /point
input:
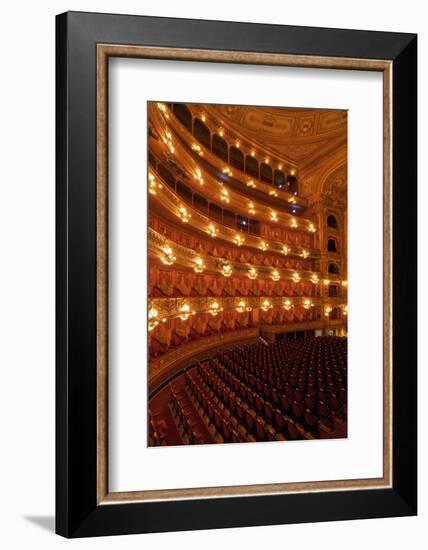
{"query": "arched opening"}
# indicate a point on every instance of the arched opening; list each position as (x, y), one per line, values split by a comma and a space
(333, 268)
(333, 291)
(251, 166)
(331, 245)
(229, 218)
(279, 179)
(215, 212)
(200, 203)
(331, 221)
(219, 147)
(236, 158)
(183, 114)
(201, 133)
(184, 192)
(166, 175)
(265, 172)
(292, 186)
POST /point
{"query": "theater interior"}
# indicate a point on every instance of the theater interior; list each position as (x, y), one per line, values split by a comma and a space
(247, 274)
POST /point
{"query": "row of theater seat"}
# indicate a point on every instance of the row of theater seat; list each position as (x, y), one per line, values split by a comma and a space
(290, 390)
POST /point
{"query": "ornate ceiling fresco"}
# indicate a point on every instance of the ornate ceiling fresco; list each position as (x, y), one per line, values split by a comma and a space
(301, 135)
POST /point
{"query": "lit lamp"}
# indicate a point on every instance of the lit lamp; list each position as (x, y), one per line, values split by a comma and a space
(287, 305)
(212, 230)
(315, 279)
(252, 273)
(199, 265)
(296, 277)
(264, 246)
(184, 214)
(274, 216)
(285, 250)
(242, 307)
(185, 312)
(153, 318)
(312, 228)
(307, 304)
(215, 309)
(275, 275)
(266, 305)
(305, 254)
(168, 258)
(227, 270)
(328, 310)
(239, 240)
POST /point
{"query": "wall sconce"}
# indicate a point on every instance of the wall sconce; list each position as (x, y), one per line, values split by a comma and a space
(328, 310)
(199, 265)
(293, 223)
(251, 209)
(225, 195)
(266, 305)
(287, 305)
(153, 318)
(168, 258)
(242, 307)
(315, 279)
(304, 254)
(198, 176)
(252, 273)
(296, 277)
(307, 304)
(251, 184)
(275, 275)
(212, 230)
(215, 309)
(285, 250)
(238, 239)
(227, 270)
(273, 216)
(312, 228)
(185, 312)
(264, 246)
(184, 214)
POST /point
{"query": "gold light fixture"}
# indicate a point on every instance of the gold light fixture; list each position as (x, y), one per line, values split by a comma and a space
(198, 176)
(168, 142)
(242, 307)
(204, 118)
(212, 230)
(220, 132)
(273, 193)
(253, 153)
(304, 254)
(227, 270)
(296, 277)
(307, 304)
(292, 172)
(267, 160)
(263, 246)
(345, 310)
(199, 265)
(251, 209)
(266, 305)
(344, 283)
(328, 310)
(252, 273)
(184, 214)
(225, 195)
(279, 166)
(312, 228)
(153, 185)
(153, 318)
(168, 258)
(293, 223)
(326, 282)
(227, 171)
(315, 279)
(239, 240)
(273, 216)
(237, 144)
(185, 312)
(275, 276)
(292, 200)
(215, 309)
(285, 250)
(250, 183)
(287, 305)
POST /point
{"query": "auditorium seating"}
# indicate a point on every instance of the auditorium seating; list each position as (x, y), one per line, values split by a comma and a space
(290, 390)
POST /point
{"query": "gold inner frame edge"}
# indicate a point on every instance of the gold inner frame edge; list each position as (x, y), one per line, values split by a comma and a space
(104, 52)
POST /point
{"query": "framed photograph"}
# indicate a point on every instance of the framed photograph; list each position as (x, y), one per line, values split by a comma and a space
(236, 274)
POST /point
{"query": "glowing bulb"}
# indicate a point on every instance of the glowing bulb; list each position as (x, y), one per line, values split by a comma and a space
(305, 254)
(184, 214)
(264, 246)
(274, 216)
(252, 273)
(168, 258)
(153, 318)
(212, 230)
(315, 279)
(251, 209)
(239, 240)
(287, 305)
(296, 277)
(215, 308)
(266, 305)
(307, 304)
(293, 223)
(199, 265)
(227, 270)
(275, 275)
(285, 250)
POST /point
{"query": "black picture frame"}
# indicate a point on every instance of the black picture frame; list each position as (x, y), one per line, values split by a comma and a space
(77, 511)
